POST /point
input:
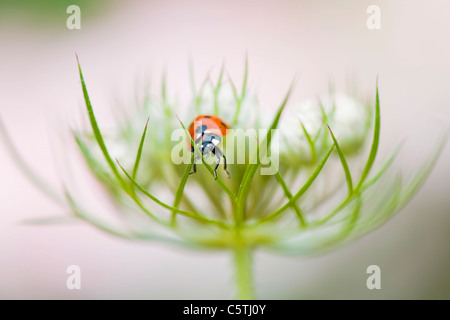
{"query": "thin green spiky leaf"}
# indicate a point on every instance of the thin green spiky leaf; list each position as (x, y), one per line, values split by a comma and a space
(331, 87)
(382, 170)
(354, 216)
(97, 169)
(95, 222)
(219, 81)
(208, 167)
(27, 170)
(199, 96)
(302, 190)
(324, 121)
(322, 110)
(359, 190)
(252, 167)
(419, 179)
(189, 214)
(213, 197)
(244, 82)
(233, 88)
(217, 90)
(344, 233)
(240, 98)
(107, 179)
(278, 115)
(332, 241)
(348, 175)
(50, 220)
(96, 130)
(128, 234)
(192, 77)
(180, 190)
(164, 87)
(149, 195)
(375, 142)
(238, 102)
(385, 209)
(139, 153)
(310, 142)
(289, 196)
(342, 205)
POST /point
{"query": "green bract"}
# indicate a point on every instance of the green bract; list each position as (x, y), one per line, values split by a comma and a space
(310, 204)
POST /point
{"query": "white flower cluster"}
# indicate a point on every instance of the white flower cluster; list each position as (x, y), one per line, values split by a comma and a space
(347, 117)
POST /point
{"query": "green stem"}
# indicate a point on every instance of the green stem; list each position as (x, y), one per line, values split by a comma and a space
(243, 272)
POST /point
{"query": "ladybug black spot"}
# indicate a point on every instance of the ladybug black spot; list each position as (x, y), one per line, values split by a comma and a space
(201, 129)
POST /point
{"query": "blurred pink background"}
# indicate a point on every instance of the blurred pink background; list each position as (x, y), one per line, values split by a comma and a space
(319, 40)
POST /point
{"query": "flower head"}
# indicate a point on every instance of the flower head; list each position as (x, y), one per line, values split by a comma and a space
(303, 134)
(302, 189)
(296, 207)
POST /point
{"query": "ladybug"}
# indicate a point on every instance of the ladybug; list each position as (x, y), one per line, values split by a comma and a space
(207, 132)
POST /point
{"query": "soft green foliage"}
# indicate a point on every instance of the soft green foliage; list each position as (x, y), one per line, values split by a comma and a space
(50, 13)
(234, 205)
(248, 211)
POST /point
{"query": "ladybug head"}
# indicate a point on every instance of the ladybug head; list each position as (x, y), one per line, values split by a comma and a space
(209, 142)
(206, 147)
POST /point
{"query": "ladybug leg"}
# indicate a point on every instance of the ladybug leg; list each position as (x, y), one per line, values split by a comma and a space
(215, 168)
(216, 151)
(219, 154)
(225, 165)
(194, 166)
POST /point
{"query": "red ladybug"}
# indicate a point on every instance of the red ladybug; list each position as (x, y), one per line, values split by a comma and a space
(207, 132)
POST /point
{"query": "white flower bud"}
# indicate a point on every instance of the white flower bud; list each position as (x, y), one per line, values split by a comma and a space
(348, 118)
